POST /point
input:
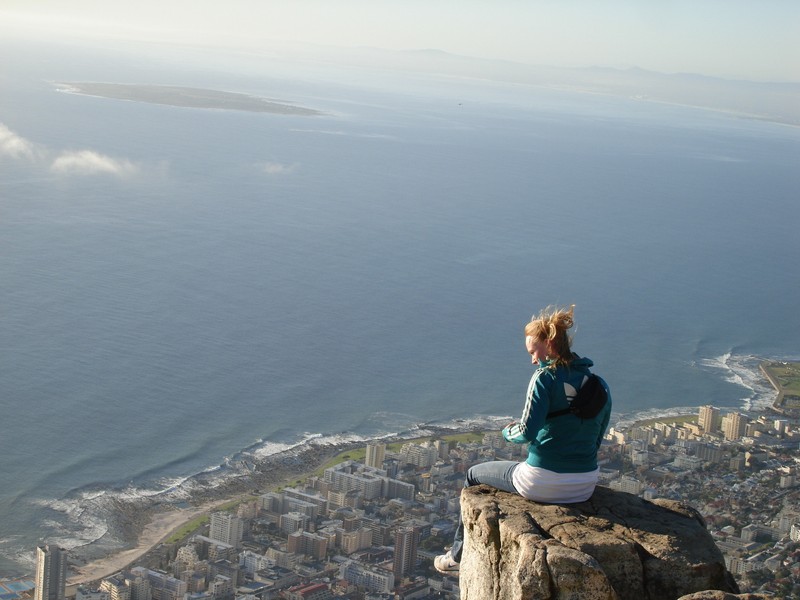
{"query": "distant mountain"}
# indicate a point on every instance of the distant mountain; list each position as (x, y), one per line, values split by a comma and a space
(779, 102)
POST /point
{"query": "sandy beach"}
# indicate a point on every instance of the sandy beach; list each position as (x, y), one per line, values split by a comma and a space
(160, 527)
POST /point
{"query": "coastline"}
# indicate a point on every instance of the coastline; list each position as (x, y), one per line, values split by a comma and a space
(163, 519)
(160, 527)
(146, 523)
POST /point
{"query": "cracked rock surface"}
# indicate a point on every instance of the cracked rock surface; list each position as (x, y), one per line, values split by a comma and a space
(613, 546)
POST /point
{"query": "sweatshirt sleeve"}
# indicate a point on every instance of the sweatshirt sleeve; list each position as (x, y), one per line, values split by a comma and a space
(537, 404)
(513, 433)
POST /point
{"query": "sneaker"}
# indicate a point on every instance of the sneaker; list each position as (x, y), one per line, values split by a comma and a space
(445, 564)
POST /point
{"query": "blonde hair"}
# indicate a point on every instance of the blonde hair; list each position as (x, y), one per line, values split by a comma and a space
(551, 325)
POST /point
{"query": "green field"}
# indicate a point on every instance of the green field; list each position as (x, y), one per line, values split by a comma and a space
(187, 529)
(786, 377)
(786, 374)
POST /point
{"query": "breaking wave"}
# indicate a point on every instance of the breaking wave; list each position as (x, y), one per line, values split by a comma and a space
(743, 371)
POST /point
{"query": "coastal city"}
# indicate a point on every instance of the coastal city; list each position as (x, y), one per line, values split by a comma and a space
(368, 526)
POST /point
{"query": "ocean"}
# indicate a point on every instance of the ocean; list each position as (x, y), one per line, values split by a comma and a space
(183, 286)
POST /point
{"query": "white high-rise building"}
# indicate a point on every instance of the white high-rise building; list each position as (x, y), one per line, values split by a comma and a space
(293, 521)
(406, 543)
(226, 528)
(371, 578)
(51, 573)
(116, 588)
(419, 455)
(349, 476)
(161, 586)
(734, 425)
(139, 584)
(709, 419)
(375, 455)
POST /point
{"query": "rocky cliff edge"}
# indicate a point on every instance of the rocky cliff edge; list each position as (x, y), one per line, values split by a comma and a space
(613, 546)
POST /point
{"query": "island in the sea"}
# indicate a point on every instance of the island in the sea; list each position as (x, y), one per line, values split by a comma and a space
(186, 97)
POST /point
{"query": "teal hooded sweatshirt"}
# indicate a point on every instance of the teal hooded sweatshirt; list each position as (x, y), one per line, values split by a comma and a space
(567, 443)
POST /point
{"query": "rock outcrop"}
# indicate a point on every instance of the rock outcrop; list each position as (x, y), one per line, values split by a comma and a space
(613, 546)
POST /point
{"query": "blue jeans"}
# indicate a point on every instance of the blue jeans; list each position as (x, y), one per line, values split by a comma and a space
(496, 473)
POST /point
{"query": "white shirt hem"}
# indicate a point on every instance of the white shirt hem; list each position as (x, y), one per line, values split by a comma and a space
(541, 485)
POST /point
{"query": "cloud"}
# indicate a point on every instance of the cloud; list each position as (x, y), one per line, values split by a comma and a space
(15, 146)
(273, 168)
(88, 162)
(82, 162)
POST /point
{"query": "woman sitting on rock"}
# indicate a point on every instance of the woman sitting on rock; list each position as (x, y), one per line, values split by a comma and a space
(562, 447)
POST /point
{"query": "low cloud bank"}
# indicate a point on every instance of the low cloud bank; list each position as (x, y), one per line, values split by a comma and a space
(79, 162)
(15, 146)
(88, 162)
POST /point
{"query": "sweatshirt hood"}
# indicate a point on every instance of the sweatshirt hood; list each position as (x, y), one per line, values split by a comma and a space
(580, 362)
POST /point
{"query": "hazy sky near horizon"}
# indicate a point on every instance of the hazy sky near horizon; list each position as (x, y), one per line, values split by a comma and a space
(738, 39)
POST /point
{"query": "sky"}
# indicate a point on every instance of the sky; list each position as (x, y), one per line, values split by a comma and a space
(734, 39)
